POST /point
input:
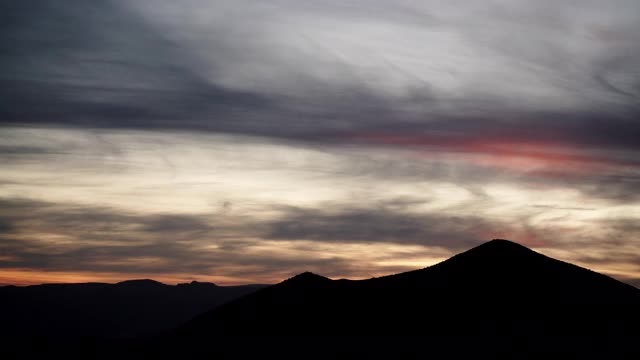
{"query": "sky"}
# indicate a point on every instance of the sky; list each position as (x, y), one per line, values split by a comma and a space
(247, 141)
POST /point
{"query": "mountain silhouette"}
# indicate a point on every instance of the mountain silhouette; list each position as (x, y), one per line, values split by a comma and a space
(497, 293)
(127, 309)
(495, 299)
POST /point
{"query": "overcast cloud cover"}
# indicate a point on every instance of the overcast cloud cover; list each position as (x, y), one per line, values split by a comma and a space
(245, 141)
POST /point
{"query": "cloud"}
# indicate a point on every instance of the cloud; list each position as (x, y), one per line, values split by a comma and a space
(435, 124)
(311, 74)
(99, 65)
(67, 237)
(70, 238)
(338, 240)
(379, 225)
(194, 171)
(633, 281)
(320, 71)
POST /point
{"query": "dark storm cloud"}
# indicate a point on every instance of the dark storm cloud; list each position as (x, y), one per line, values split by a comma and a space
(104, 64)
(98, 65)
(585, 129)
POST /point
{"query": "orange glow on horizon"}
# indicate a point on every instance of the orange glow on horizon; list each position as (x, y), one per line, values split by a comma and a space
(26, 277)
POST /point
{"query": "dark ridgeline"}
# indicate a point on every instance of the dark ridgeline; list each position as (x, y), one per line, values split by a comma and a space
(497, 297)
(125, 310)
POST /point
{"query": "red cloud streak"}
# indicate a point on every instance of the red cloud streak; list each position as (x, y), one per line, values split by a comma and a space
(541, 156)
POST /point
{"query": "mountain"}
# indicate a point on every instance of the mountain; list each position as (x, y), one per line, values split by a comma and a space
(499, 295)
(127, 309)
(497, 299)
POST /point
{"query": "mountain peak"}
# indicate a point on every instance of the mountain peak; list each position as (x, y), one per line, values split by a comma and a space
(497, 255)
(308, 277)
(501, 246)
(197, 284)
(503, 243)
(472, 293)
(140, 283)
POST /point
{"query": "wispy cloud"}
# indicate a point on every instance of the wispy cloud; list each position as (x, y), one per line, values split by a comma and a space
(301, 70)
(69, 238)
(240, 137)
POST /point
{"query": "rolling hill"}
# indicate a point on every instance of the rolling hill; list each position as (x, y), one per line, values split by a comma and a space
(127, 309)
(498, 293)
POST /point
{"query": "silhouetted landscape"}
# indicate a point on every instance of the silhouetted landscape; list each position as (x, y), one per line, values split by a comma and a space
(127, 309)
(341, 145)
(499, 297)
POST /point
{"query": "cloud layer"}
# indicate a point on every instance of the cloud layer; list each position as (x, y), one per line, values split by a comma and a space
(250, 139)
(300, 69)
(179, 206)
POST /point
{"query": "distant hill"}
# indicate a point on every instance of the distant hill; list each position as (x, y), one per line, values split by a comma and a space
(498, 293)
(127, 309)
(495, 299)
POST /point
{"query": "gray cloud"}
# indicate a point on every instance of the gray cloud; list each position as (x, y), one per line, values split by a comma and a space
(66, 237)
(99, 65)
(331, 75)
(51, 236)
(375, 225)
(632, 281)
(289, 72)
(176, 223)
(96, 230)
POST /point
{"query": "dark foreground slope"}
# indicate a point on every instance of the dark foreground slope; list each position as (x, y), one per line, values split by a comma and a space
(499, 295)
(127, 309)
